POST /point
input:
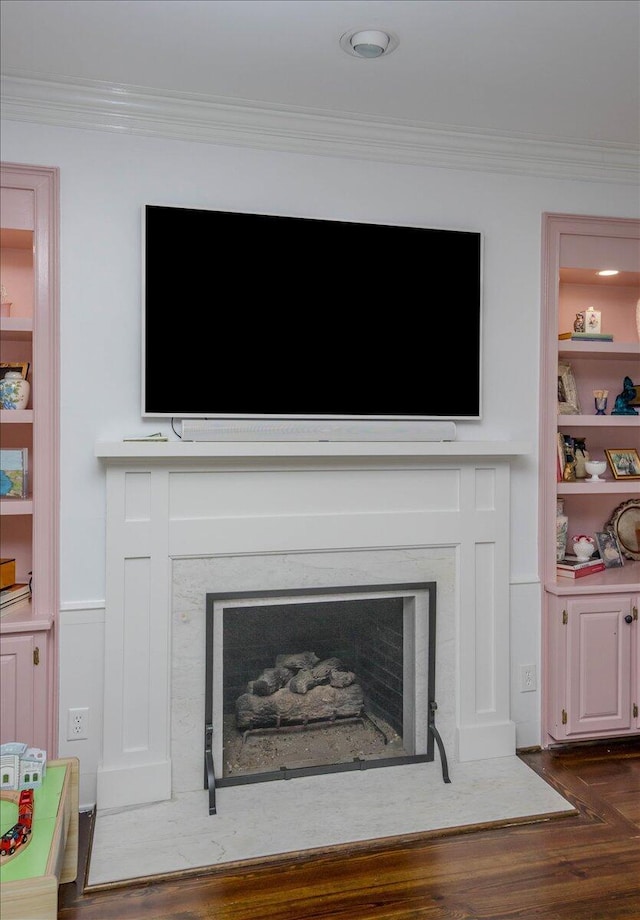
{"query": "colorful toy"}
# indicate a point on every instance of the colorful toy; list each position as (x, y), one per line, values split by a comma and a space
(21, 767)
(19, 834)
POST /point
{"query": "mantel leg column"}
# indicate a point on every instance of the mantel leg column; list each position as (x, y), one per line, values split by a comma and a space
(136, 765)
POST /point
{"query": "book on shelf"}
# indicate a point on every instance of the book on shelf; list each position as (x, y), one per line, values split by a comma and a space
(585, 336)
(579, 571)
(13, 594)
(569, 561)
(14, 465)
(591, 337)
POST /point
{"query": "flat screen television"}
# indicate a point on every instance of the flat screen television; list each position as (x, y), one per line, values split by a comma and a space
(263, 316)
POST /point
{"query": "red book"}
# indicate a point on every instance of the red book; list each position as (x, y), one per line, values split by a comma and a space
(598, 566)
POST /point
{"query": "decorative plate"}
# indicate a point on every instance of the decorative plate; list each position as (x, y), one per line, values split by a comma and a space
(625, 523)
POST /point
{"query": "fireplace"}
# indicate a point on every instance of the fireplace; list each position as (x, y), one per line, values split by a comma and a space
(310, 681)
(238, 519)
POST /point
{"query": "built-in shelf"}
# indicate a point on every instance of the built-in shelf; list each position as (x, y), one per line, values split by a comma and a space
(15, 327)
(16, 416)
(16, 506)
(598, 421)
(21, 617)
(30, 526)
(606, 486)
(609, 350)
(626, 578)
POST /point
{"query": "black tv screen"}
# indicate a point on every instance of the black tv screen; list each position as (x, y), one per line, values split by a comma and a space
(267, 316)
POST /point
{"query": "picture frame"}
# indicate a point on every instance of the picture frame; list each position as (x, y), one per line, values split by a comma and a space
(624, 462)
(625, 524)
(568, 403)
(609, 549)
(636, 399)
(7, 366)
(14, 465)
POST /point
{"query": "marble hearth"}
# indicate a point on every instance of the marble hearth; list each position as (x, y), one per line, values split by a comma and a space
(185, 519)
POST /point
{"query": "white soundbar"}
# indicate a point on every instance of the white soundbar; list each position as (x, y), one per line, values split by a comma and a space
(305, 430)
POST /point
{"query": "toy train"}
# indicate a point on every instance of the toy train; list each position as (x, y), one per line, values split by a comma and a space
(18, 835)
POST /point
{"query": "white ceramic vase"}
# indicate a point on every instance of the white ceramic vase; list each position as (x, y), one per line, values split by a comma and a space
(584, 547)
(14, 391)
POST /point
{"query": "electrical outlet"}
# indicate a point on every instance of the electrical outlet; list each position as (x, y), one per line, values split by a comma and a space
(77, 724)
(528, 678)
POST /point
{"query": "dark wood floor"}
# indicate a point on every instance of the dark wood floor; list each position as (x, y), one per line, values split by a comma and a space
(575, 867)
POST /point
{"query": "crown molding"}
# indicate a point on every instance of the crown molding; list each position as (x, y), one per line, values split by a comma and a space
(124, 109)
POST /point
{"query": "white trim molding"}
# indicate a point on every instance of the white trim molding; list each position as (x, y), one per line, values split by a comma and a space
(125, 109)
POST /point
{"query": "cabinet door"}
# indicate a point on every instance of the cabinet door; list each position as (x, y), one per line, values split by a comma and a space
(599, 655)
(17, 689)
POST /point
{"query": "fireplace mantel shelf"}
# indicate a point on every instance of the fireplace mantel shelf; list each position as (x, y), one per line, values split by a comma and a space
(188, 450)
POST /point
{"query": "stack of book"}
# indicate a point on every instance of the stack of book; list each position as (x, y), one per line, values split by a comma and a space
(587, 336)
(14, 594)
(572, 567)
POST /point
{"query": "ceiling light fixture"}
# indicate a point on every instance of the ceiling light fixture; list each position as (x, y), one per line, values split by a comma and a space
(368, 43)
(609, 271)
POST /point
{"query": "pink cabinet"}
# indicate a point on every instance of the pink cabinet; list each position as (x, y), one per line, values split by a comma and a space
(590, 663)
(23, 688)
(593, 666)
(29, 339)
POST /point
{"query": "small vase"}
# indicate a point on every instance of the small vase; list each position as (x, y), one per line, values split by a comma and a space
(562, 526)
(584, 547)
(14, 391)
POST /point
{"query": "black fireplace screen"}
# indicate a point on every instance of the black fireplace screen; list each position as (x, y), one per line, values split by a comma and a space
(313, 681)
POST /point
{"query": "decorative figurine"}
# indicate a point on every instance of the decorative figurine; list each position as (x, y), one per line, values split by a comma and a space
(581, 455)
(578, 323)
(623, 400)
(569, 471)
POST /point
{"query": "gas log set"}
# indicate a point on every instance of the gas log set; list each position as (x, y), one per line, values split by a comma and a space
(299, 690)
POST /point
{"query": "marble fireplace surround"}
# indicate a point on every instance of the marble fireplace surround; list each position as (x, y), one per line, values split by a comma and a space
(187, 518)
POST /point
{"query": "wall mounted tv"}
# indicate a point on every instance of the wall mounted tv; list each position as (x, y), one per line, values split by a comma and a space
(253, 316)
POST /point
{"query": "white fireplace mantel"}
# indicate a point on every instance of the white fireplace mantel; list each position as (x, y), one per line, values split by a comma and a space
(188, 450)
(176, 500)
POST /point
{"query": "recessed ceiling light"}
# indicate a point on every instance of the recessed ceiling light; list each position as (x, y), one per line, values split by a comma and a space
(368, 43)
(609, 271)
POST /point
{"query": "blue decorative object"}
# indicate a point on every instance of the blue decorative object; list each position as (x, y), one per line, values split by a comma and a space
(623, 400)
(5, 483)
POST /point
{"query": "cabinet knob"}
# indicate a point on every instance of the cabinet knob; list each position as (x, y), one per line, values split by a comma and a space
(628, 618)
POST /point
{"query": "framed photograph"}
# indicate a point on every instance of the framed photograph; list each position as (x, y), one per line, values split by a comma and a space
(636, 399)
(624, 462)
(567, 392)
(21, 366)
(609, 549)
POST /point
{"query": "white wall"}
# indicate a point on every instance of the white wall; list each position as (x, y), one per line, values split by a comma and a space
(105, 179)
